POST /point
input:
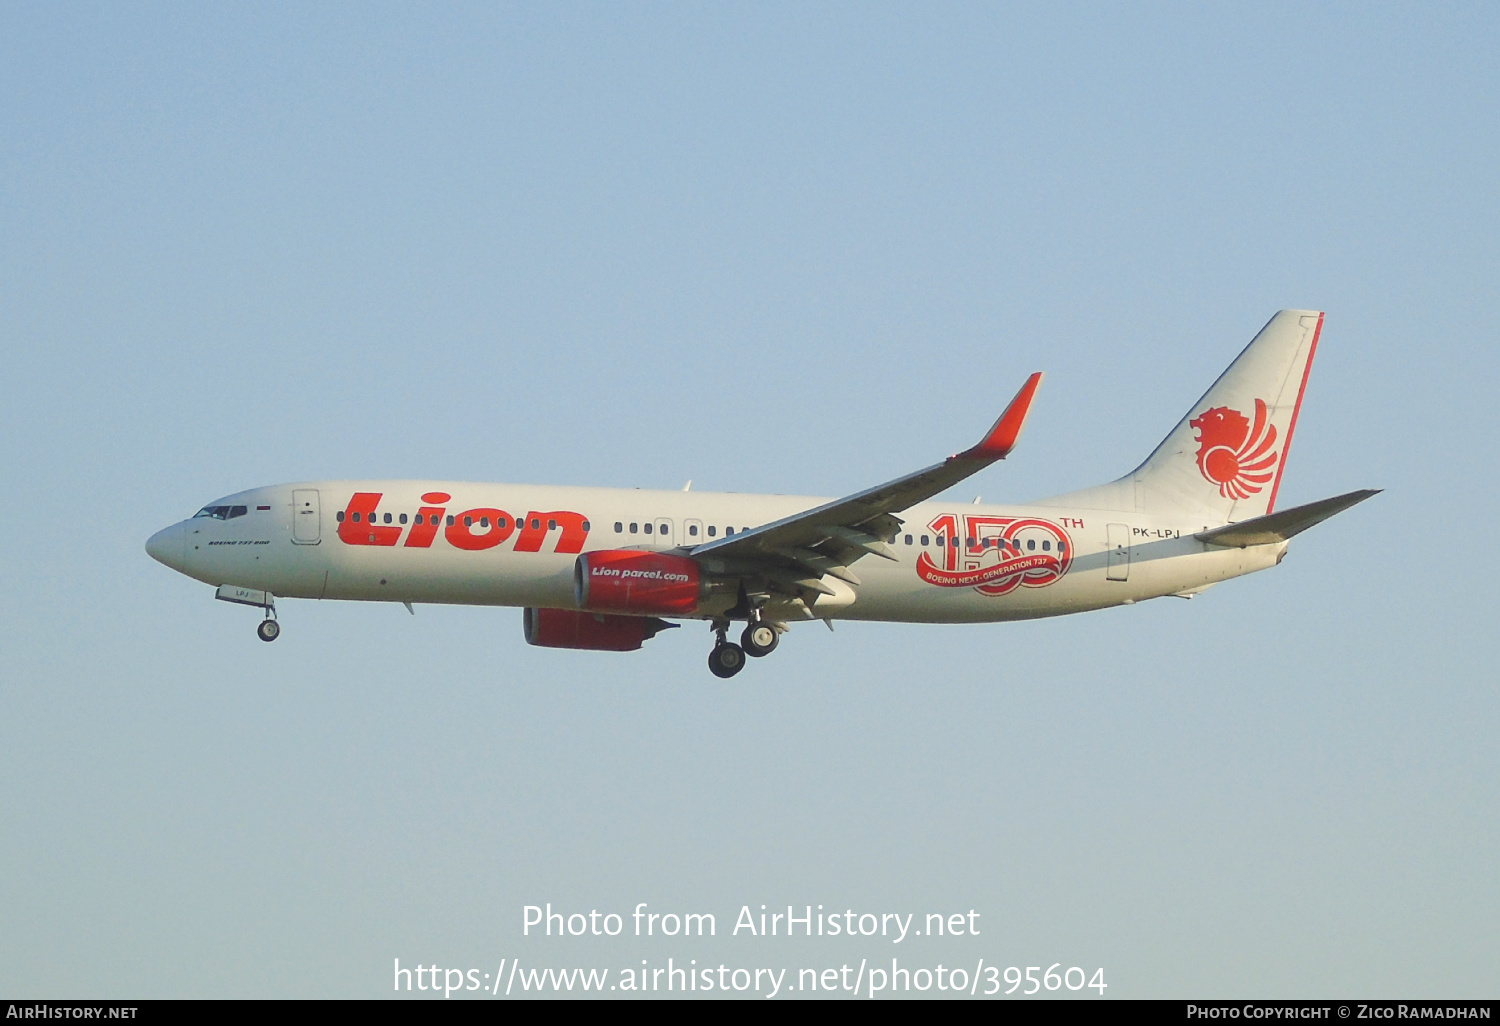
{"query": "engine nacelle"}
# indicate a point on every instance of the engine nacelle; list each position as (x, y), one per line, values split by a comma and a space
(631, 581)
(598, 632)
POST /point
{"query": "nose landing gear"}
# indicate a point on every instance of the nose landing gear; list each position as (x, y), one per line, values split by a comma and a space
(269, 629)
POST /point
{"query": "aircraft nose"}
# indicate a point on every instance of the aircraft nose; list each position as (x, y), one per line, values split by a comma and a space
(167, 546)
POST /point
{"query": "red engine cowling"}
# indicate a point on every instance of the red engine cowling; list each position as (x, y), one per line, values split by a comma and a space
(569, 628)
(630, 581)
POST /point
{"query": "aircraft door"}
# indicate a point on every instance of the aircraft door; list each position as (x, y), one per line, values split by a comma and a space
(1118, 539)
(306, 517)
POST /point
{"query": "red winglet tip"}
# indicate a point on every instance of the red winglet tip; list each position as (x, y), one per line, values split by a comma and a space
(1003, 436)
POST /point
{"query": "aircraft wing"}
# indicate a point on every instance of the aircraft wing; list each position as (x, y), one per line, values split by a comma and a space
(825, 540)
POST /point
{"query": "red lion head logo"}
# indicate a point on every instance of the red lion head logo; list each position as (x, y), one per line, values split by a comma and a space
(1234, 454)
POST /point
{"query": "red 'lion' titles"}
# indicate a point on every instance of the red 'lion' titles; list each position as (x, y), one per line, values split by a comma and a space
(473, 530)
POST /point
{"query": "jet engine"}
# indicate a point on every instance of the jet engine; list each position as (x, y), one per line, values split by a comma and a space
(639, 583)
(598, 632)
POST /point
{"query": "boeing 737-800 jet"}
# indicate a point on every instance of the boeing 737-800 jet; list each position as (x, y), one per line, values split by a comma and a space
(607, 569)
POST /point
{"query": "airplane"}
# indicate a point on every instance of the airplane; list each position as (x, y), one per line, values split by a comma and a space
(607, 569)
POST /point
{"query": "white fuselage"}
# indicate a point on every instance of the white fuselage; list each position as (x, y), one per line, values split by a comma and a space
(993, 562)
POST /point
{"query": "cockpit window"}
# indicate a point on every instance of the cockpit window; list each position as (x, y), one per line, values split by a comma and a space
(220, 512)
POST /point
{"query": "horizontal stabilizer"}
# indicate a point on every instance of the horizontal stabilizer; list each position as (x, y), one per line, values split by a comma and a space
(1278, 527)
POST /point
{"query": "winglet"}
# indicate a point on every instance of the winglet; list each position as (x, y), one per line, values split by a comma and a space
(1003, 436)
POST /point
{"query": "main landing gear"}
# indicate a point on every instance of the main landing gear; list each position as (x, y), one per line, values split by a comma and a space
(269, 630)
(759, 639)
(726, 659)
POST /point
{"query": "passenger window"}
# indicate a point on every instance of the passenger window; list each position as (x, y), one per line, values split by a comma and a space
(587, 527)
(728, 531)
(1031, 543)
(500, 523)
(713, 532)
(648, 528)
(450, 519)
(693, 530)
(908, 539)
(619, 527)
(924, 539)
(339, 516)
(536, 524)
(356, 517)
(468, 521)
(552, 525)
(971, 543)
(403, 518)
(388, 518)
(484, 522)
(1046, 546)
(634, 528)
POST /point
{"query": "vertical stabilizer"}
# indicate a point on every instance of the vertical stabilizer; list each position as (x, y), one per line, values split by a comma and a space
(1223, 461)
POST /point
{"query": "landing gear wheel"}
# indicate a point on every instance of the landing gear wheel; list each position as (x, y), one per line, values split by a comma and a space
(726, 660)
(269, 630)
(760, 639)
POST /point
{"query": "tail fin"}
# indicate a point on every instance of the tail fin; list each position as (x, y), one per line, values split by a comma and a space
(1223, 461)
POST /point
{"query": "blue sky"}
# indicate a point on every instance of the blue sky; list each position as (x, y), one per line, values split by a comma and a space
(790, 248)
